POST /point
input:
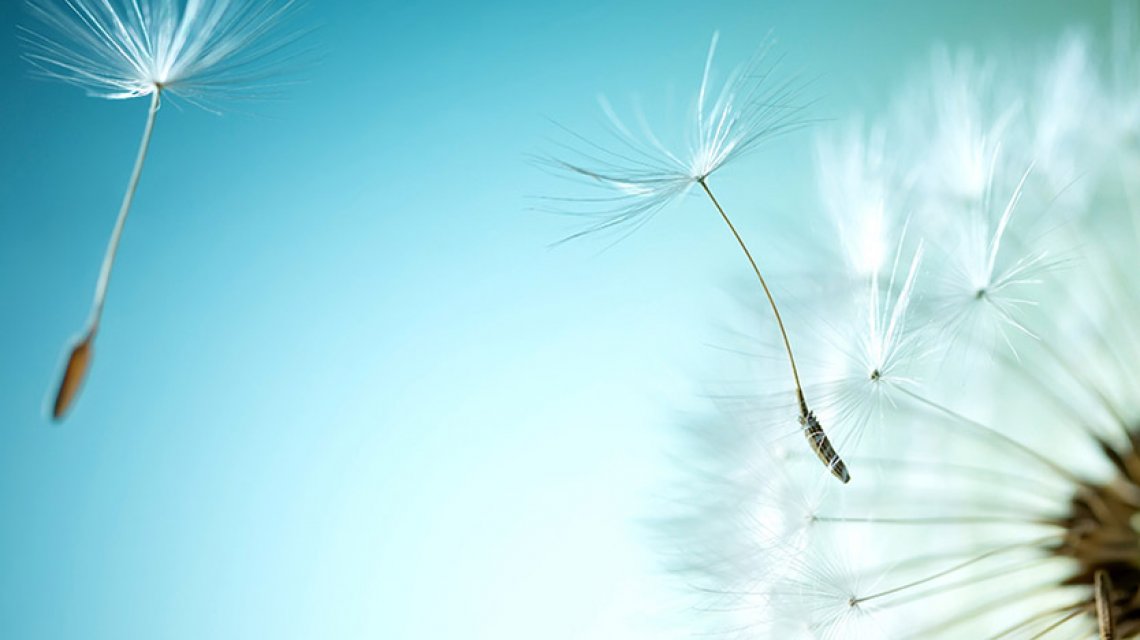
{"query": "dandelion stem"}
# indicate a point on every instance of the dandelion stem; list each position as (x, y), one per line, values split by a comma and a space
(996, 435)
(767, 293)
(124, 210)
(1072, 611)
(1076, 373)
(80, 357)
(939, 520)
(971, 581)
(1077, 609)
(954, 569)
(1048, 392)
(998, 479)
(925, 559)
(960, 617)
(816, 437)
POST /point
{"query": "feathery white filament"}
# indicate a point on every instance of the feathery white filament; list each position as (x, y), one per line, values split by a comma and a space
(640, 172)
(195, 49)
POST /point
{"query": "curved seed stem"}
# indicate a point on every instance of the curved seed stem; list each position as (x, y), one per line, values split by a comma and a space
(812, 429)
(767, 293)
(124, 210)
(79, 360)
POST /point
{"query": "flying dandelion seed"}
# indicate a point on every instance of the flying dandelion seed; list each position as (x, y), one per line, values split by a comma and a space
(197, 50)
(640, 176)
(1002, 498)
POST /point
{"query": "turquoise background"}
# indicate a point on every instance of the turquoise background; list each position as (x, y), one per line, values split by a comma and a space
(344, 388)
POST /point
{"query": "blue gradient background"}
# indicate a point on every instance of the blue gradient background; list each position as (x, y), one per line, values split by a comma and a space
(343, 388)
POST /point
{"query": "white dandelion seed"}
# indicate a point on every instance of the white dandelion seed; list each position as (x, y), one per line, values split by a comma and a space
(640, 175)
(874, 354)
(637, 174)
(198, 50)
(988, 277)
(868, 346)
(1003, 500)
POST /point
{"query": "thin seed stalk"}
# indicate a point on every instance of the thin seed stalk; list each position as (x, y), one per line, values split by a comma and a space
(816, 437)
(79, 359)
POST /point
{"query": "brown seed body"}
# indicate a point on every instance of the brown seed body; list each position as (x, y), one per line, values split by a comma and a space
(813, 431)
(78, 363)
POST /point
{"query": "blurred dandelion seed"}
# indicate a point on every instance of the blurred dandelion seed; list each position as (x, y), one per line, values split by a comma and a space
(1005, 499)
(197, 50)
(646, 175)
(1048, 546)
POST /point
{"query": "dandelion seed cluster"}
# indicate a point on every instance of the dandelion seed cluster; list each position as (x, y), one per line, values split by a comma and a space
(975, 354)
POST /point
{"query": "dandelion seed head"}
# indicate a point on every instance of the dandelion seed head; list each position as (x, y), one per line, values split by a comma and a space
(872, 351)
(200, 50)
(991, 273)
(638, 171)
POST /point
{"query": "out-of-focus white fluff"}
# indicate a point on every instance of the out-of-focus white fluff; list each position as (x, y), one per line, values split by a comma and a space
(982, 338)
